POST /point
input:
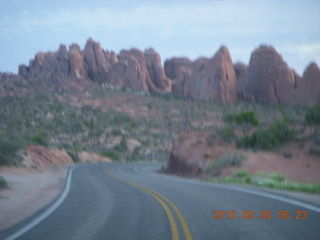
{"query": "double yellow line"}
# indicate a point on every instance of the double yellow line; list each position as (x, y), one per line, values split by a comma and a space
(162, 201)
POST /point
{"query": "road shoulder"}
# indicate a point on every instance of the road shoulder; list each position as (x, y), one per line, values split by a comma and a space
(29, 191)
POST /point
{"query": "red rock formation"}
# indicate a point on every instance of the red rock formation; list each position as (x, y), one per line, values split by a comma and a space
(133, 69)
(98, 61)
(59, 66)
(139, 71)
(268, 78)
(204, 79)
(78, 66)
(309, 86)
(183, 159)
(130, 71)
(180, 70)
(240, 69)
(158, 82)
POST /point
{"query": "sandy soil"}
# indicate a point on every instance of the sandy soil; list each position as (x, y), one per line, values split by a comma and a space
(302, 167)
(29, 191)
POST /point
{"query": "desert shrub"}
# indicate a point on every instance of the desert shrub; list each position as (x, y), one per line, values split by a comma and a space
(287, 154)
(111, 154)
(243, 117)
(8, 149)
(230, 159)
(3, 183)
(40, 139)
(227, 133)
(271, 138)
(212, 168)
(74, 156)
(116, 132)
(241, 176)
(225, 160)
(313, 115)
(314, 151)
(135, 156)
(123, 145)
(210, 139)
(277, 177)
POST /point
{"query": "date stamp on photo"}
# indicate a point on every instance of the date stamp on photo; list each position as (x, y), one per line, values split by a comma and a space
(247, 214)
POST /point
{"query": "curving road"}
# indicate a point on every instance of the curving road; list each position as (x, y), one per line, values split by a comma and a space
(131, 201)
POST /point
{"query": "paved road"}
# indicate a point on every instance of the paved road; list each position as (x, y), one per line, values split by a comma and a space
(130, 201)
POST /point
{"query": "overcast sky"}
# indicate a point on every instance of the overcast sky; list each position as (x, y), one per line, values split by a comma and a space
(174, 28)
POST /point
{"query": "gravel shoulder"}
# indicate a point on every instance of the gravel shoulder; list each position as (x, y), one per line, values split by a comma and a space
(29, 191)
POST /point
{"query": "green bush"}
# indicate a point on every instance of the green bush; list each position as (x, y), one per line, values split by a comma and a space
(123, 145)
(111, 154)
(225, 160)
(116, 132)
(242, 176)
(314, 151)
(243, 117)
(8, 149)
(271, 138)
(3, 183)
(277, 177)
(313, 115)
(227, 133)
(230, 159)
(40, 139)
(74, 156)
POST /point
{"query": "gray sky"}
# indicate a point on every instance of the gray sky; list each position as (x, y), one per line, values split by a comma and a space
(174, 28)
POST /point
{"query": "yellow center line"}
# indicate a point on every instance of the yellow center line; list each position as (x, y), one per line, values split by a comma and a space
(158, 196)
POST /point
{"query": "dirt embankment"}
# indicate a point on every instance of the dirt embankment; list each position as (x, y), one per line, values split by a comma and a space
(37, 183)
(192, 151)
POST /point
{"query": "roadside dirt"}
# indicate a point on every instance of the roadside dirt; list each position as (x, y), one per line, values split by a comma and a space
(29, 191)
(301, 167)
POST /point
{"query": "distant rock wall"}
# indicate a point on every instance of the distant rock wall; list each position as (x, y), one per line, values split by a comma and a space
(130, 69)
(204, 79)
(267, 78)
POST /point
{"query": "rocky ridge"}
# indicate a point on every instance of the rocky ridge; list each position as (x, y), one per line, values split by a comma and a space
(204, 79)
(267, 78)
(132, 69)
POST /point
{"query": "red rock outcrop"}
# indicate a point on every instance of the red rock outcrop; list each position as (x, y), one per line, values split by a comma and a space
(130, 71)
(44, 157)
(158, 82)
(183, 160)
(98, 61)
(204, 79)
(62, 65)
(190, 154)
(268, 78)
(133, 69)
(309, 86)
(240, 69)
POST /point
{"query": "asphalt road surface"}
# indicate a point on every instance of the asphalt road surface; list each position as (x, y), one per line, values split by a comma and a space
(131, 201)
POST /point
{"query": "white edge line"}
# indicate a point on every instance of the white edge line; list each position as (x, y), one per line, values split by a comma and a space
(242, 189)
(47, 212)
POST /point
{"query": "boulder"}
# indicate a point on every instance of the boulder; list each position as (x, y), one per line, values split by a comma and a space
(185, 159)
(204, 79)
